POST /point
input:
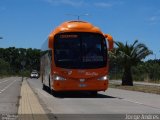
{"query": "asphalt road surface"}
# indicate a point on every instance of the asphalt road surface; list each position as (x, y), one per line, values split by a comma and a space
(114, 103)
(9, 95)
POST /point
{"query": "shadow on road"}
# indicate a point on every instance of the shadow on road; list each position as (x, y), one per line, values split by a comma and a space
(80, 95)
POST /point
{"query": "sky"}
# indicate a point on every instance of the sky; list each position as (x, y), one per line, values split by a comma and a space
(27, 23)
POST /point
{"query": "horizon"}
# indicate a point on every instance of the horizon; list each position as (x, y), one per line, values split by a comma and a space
(27, 24)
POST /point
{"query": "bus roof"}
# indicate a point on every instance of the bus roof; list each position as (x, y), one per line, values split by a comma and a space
(74, 26)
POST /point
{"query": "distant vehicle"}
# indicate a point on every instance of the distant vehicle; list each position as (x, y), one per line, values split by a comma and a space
(34, 74)
(66, 61)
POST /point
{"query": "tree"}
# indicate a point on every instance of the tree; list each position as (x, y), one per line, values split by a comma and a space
(4, 67)
(12, 57)
(153, 69)
(128, 56)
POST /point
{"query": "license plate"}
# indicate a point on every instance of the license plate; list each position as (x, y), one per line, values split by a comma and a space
(82, 85)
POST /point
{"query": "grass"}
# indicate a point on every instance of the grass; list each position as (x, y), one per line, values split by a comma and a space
(140, 88)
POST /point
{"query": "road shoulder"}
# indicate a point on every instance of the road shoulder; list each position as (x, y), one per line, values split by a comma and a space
(29, 106)
(147, 99)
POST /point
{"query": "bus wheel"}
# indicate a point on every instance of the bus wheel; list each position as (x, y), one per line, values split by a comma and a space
(54, 93)
(49, 88)
(44, 87)
(42, 78)
(93, 93)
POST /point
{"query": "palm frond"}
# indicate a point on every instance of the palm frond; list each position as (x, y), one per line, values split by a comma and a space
(134, 52)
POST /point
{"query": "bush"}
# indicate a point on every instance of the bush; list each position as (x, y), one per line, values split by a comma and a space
(4, 67)
(25, 73)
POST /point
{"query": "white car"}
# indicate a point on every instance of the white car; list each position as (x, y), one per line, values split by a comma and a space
(34, 75)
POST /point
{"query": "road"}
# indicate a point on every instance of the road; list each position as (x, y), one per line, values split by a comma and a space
(114, 104)
(113, 101)
(9, 95)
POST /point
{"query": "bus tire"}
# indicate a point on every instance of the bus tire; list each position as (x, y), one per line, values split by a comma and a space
(93, 93)
(49, 86)
(44, 87)
(42, 78)
(54, 93)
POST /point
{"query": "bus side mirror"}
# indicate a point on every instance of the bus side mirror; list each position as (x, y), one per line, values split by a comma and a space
(110, 41)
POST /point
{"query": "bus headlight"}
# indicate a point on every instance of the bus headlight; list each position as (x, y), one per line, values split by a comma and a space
(57, 77)
(103, 78)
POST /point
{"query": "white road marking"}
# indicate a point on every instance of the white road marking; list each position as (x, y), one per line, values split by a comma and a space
(4, 81)
(133, 101)
(128, 100)
(7, 86)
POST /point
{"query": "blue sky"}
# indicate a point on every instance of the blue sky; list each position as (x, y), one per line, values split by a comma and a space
(27, 23)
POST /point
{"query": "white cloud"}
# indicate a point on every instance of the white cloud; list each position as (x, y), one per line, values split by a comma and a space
(154, 19)
(73, 3)
(103, 4)
(108, 4)
(82, 3)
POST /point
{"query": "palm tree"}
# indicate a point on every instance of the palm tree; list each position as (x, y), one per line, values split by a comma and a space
(128, 56)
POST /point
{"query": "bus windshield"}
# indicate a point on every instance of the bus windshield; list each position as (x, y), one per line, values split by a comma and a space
(80, 50)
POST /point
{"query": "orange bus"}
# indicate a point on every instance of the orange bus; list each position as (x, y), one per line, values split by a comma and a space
(75, 58)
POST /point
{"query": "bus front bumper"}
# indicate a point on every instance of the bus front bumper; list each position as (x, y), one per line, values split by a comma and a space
(93, 85)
